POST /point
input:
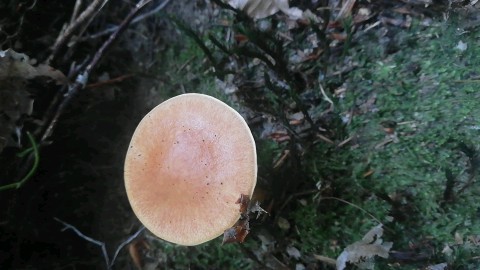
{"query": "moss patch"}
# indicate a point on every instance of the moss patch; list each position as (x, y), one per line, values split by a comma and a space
(422, 178)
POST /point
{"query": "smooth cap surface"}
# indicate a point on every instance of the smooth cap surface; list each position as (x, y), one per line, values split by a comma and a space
(188, 162)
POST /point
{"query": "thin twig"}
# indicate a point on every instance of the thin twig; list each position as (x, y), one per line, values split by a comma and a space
(290, 198)
(102, 245)
(121, 28)
(346, 10)
(110, 81)
(294, 195)
(73, 41)
(82, 78)
(89, 239)
(126, 242)
(332, 106)
(21, 20)
(325, 259)
(70, 30)
(345, 142)
(354, 205)
(76, 10)
(134, 21)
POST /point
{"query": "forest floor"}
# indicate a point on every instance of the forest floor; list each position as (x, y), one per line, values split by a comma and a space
(365, 119)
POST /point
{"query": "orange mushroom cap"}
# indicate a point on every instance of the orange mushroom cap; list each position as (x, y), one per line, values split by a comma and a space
(188, 162)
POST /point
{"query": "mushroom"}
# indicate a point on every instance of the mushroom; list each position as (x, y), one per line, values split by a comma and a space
(188, 162)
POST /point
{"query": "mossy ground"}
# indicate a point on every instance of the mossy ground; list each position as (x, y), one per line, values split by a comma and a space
(425, 181)
(421, 182)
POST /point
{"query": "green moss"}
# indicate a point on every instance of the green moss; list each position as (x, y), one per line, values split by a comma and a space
(211, 255)
(428, 89)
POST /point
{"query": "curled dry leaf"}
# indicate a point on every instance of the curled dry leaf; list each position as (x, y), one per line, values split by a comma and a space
(259, 9)
(15, 100)
(239, 231)
(366, 249)
(244, 201)
(17, 65)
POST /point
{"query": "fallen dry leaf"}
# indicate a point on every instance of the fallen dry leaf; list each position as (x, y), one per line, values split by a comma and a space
(15, 102)
(15, 99)
(244, 201)
(237, 233)
(370, 246)
(17, 65)
(281, 160)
